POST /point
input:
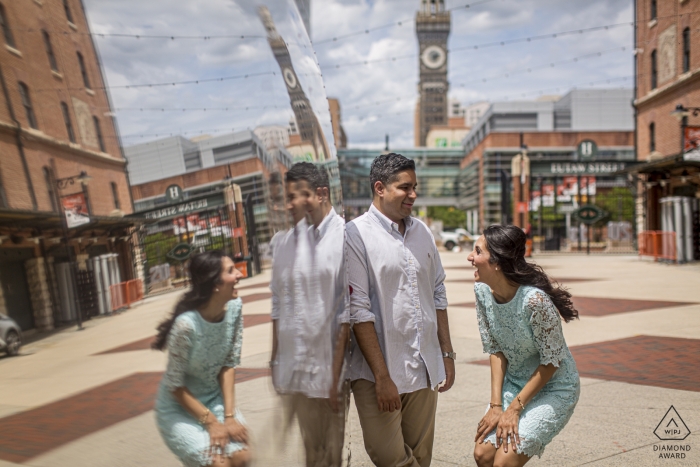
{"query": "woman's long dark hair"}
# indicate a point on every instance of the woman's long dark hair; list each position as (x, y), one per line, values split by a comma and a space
(506, 244)
(205, 275)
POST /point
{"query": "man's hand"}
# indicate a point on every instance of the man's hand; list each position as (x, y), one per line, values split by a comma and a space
(388, 398)
(449, 374)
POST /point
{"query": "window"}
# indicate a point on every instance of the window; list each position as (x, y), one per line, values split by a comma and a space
(653, 70)
(653, 9)
(27, 104)
(83, 71)
(49, 51)
(66, 119)
(9, 40)
(98, 132)
(3, 196)
(48, 178)
(686, 50)
(69, 15)
(115, 196)
(652, 137)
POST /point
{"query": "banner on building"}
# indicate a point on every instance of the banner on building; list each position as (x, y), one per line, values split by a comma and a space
(75, 209)
(692, 138)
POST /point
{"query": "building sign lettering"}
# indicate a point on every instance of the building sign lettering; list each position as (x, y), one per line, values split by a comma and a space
(568, 168)
(177, 209)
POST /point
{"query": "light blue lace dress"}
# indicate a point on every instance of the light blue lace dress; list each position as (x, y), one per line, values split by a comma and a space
(197, 351)
(528, 331)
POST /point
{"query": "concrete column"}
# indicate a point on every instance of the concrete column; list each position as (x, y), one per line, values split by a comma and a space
(39, 294)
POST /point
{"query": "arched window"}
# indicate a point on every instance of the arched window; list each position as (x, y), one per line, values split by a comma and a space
(115, 196)
(27, 104)
(49, 51)
(67, 121)
(654, 70)
(83, 71)
(98, 132)
(652, 137)
(6, 31)
(48, 178)
(66, 8)
(686, 50)
(653, 9)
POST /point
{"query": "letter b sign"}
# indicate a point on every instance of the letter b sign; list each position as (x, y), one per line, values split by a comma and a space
(587, 149)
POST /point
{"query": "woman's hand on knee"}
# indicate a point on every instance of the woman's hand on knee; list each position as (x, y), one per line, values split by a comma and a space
(236, 430)
(487, 424)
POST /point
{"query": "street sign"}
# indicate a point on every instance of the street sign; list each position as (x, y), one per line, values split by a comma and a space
(587, 149)
(181, 252)
(173, 193)
(589, 214)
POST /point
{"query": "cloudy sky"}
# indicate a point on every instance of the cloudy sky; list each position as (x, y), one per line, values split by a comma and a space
(225, 39)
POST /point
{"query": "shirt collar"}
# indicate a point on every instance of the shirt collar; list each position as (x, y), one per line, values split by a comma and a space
(386, 223)
(326, 222)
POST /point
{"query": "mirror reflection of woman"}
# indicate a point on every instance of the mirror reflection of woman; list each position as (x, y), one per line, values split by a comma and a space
(534, 381)
(196, 408)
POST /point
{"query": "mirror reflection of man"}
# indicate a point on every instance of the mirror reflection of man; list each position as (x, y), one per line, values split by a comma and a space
(309, 313)
(401, 350)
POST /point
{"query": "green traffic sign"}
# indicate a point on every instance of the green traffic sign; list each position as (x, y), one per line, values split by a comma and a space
(173, 193)
(589, 214)
(587, 149)
(181, 252)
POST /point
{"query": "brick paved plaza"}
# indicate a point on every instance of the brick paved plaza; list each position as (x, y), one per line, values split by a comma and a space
(85, 398)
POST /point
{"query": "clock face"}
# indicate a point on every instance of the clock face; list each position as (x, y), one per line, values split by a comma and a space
(289, 78)
(433, 56)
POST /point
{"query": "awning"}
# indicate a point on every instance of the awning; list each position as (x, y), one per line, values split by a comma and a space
(23, 219)
(666, 164)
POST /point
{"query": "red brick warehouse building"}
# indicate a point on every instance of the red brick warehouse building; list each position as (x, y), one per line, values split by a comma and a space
(55, 123)
(667, 98)
(550, 130)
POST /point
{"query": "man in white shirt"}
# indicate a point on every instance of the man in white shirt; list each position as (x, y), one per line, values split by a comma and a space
(309, 313)
(401, 349)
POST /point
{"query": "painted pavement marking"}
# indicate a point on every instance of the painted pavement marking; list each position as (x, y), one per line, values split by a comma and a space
(34, 432)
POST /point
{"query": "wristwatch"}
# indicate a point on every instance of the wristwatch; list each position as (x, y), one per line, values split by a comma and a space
(451, 355)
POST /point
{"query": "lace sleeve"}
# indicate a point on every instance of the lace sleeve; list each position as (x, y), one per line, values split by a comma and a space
(179, 346)
(546, 327)
(234, 356)
(489, 344)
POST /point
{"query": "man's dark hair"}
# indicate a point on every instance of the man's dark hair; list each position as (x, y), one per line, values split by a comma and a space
(385, 167)
(316, 177)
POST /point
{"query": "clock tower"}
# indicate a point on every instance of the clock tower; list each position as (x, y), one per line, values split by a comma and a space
(307, 123)
(432, 29)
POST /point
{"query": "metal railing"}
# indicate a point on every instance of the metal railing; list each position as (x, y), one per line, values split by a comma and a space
(124, 294)
(658, 244)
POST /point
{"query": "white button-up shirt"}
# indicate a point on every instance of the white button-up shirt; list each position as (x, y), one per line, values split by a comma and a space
(396, 281)
(309, 299)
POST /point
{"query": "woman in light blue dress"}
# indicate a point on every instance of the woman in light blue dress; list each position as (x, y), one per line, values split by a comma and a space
(195, 407)
(534, 382)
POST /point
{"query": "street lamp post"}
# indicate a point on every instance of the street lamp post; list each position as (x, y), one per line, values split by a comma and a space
(62, 183)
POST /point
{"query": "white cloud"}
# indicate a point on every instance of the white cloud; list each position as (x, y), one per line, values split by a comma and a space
(378, 98)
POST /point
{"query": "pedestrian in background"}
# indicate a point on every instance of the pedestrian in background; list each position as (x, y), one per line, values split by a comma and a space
(309, 316)
(196, 407)
(401, 350)
(534, 381)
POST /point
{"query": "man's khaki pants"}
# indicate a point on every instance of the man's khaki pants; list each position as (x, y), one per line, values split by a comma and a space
(402, 438)
(322, 430)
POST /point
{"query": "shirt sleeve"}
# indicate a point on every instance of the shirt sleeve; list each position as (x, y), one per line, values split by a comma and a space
(487, 341)
(274, 289)
(546, 328)
(344, 305)
(358, 278)
(440, 293)
(234, 357)
(179, 347)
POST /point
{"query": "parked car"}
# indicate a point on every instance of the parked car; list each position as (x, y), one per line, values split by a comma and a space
(10, 335)
(452, 238)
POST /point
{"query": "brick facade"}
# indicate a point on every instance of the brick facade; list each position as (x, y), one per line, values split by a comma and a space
(49, 145)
